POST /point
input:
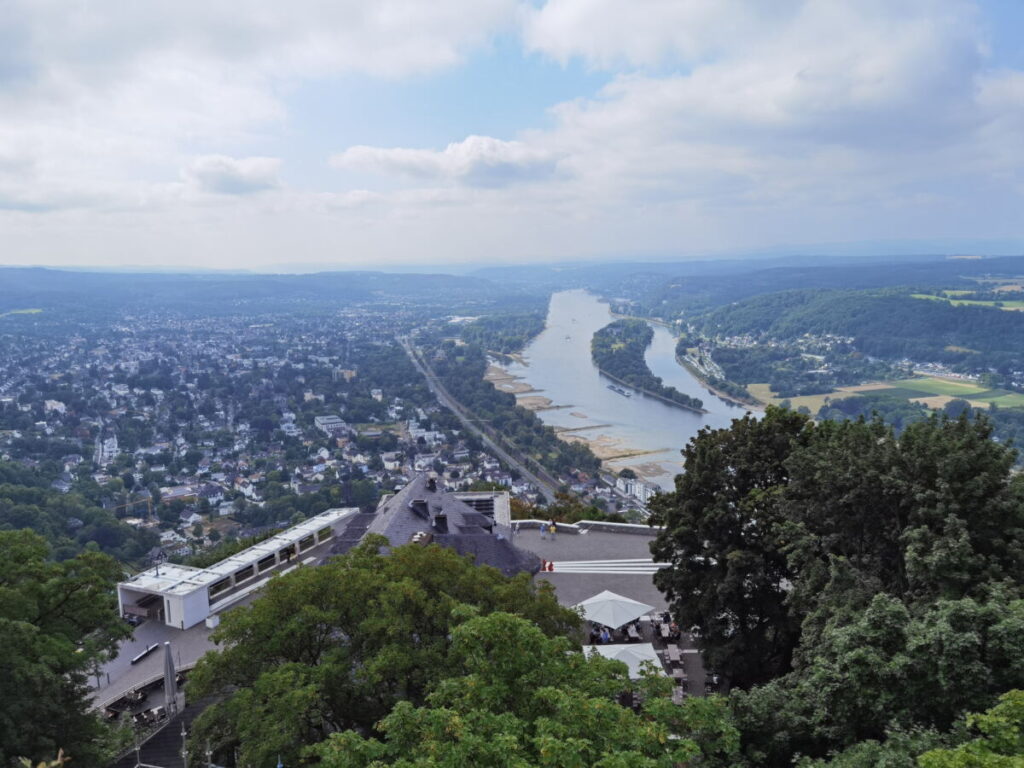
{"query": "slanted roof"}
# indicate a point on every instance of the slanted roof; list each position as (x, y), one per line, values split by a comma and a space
(451, 523)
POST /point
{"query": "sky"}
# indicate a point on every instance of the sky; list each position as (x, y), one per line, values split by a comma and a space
(326, 134)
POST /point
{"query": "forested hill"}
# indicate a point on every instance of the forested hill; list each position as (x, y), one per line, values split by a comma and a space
(618, 351)
(887, 324)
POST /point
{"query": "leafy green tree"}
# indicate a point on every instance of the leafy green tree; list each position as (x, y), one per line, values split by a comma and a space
(723, 529)
(336, 647)
(58, 621)
(1001, 744)
(515, 697)
(896, 565)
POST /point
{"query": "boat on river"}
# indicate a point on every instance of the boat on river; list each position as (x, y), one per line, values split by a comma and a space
(620, 390)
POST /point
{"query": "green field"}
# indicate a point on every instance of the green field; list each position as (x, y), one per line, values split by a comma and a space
(20, 312)
(1002, 398)
(934, 392)
(933, 386)
(1013, 305)
(940, 391)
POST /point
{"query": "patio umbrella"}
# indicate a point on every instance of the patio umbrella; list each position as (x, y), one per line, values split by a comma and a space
(170, 680)
(633, 655)
(613, 610)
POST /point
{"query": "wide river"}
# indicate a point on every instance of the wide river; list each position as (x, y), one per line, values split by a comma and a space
(638, 431)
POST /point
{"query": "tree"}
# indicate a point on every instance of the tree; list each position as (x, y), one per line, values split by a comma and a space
(58, 621)
(722, 532)
(514, 697)
(336, 647)
(1001, 744)
(892, 564)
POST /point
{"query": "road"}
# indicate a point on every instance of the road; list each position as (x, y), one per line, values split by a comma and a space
(546, 486)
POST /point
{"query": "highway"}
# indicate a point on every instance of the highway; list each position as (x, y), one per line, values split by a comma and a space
(547, 486)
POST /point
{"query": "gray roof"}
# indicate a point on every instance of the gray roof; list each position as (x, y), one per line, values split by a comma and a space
(451, 523)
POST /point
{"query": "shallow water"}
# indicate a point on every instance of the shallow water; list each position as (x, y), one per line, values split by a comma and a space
(558, 363)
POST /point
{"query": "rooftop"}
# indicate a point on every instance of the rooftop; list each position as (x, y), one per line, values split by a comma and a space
(171, 579)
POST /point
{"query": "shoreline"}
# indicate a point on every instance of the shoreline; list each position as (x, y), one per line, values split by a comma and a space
(655, 395)
(693, 371)
(754, 403)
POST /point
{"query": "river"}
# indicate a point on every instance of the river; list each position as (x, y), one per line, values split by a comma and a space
(639, 432)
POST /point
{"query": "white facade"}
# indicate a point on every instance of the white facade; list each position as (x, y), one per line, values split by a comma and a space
(182, 596)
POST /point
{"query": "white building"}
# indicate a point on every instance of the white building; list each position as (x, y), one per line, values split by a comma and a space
(329, 424)
(106, 451)
(182, 596)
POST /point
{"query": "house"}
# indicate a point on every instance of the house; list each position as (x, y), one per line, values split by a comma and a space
(171, 537)
(424, 462)
(471, 524)
(212, 493)
(330, 424)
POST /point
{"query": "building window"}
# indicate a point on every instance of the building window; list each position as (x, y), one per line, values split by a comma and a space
(266, 563)
(287, 553)
(324, 533)
(220, 586)
(306, 543)
(245, 573)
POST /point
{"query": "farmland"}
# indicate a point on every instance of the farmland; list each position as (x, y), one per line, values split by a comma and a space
(931, 391)
(1012, 305)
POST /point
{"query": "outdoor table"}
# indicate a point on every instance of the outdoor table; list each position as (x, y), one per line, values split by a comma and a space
(632, 633)
(673, 654)
(664, 629)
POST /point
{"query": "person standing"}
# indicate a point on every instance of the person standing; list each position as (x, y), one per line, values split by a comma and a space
(543, 530)
(552, 529)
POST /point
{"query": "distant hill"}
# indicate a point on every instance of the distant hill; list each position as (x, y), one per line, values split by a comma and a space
(888, 324)
(222, 293)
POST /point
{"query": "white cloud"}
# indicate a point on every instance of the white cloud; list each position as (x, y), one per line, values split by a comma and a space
(107, 102)
(724, 124)
(609, 33)
(477, 161)
(234, 176)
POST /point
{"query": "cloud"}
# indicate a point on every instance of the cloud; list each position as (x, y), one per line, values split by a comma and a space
(649, 33)
(723, 124)
(479, 161)
(234, 176)
(108, 102)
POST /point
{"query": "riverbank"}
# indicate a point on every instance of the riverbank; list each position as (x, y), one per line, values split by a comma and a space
(691, 369)
(655, 395)
(699, 376)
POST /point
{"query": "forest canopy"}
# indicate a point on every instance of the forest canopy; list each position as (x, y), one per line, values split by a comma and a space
(850, 582)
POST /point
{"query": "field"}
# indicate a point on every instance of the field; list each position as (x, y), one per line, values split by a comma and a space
(931, 391)
(1011, 305)
(813, 402)
(936, 386)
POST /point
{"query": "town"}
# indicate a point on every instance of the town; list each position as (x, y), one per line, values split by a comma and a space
(199, 431)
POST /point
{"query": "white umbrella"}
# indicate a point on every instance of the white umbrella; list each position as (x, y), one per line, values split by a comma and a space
(613, 610)
(633, 656)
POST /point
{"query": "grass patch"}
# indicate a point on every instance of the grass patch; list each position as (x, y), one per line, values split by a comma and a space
(934, 386)
(812, 402)
(1013, 305)
(1002, 398)
(20, 312)
(955, 348)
